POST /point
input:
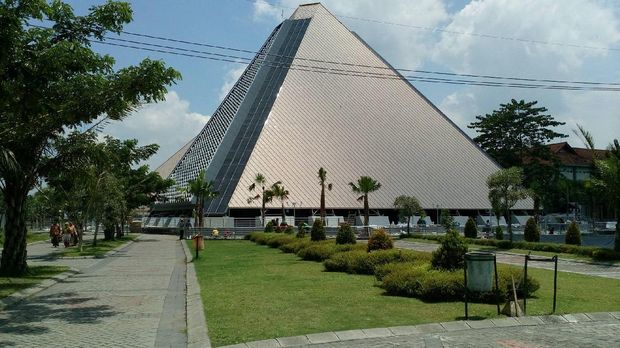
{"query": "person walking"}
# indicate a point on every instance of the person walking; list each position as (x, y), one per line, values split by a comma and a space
(74, 234)
(66, 236)
(55, 234)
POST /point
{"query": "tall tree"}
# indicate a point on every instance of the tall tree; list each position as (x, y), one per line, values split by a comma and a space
(609, 181)
(407, 206)
(53, 81)
(505, 190)
(259, 182)
(278, 191)
(364, 186)
(202, 190)
(322, 180)
(515, 135)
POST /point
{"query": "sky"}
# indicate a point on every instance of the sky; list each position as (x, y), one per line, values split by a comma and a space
(582, 36)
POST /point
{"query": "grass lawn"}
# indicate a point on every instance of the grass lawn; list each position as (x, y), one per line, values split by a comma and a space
(35, 275)
(103, 246)
(30, 237)
(252, 292)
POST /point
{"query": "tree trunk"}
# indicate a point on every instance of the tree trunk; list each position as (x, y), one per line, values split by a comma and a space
(283, 214)
(196, 215)
(96, 231)
(408, 223)
(201, 213)
(262, 210)
(536, 209)
(323, 203)
(366, 215)
(13, 262)
(509, 224)
(617, 239)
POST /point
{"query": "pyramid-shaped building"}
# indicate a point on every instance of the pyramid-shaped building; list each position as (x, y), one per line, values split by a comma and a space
(316, 95)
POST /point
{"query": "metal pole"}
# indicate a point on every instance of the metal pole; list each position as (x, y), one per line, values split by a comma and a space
(527, 257)
(555, 281)
(496, 281)
(466, 312)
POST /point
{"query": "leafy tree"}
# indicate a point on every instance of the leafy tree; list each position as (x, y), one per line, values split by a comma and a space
(471, 231)
(515, 135)
(609, 181)
(379, 240)
(407, 206)
(202, 190)
(364, 186)
(447, 221)
(451, 253)
(345, 234)
(322, 179)
(278, 191)
(505, 190)
(52, 81)
(317, 232)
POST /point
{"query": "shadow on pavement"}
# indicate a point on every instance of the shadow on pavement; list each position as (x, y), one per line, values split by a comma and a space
(25, 318)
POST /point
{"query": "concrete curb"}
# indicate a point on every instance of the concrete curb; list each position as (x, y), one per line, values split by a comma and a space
(197, 331)
(28, 292)
(109, 253)
(433, 328)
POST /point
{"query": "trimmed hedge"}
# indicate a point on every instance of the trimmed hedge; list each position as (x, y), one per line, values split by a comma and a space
(471, 230)
(451, 254)
(320, 251)
(600, 254)
(318, 231)
(573, 235)
(423, 282)
(379, 240)
(345, 234)
(360, 262)
(295, 246)
(531, 232)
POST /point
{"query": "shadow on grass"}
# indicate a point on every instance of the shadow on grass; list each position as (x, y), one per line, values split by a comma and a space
(33, 276)
(25, 318)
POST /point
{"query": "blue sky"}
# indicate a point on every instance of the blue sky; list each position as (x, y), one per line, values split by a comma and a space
(246, 24)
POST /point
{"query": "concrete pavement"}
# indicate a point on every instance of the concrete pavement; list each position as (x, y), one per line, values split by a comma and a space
(134, 298)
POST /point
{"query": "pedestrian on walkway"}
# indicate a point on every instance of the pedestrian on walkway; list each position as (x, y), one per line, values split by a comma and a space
(55, 234)
(74, 234)
(66, 236)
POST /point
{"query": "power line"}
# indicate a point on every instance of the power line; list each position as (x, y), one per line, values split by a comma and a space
(444, 30)
(343, 72)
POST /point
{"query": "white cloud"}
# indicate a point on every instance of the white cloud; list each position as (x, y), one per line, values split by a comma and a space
(169, 123)
(230, 78)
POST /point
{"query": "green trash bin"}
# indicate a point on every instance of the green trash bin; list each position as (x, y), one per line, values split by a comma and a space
(480, 268)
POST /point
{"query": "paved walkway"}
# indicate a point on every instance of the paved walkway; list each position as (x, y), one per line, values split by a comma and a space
(567, 331)
(134, 298)
(594, 269)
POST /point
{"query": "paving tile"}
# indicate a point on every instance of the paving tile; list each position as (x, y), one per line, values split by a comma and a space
(480, 324)
(322, 337)
(404, 330)
(553, 319)
(377, 332)
(271, 343)
(600, 316)
(616, 315)
(430, 328)
(576, 317)
(505, 322)
(529, 320)
(455, 325)
(293, 341)
(350, 335)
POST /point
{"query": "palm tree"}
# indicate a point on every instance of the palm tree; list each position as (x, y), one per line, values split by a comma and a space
(278, 191)
(259, 181)
(364, 186)
(609, 181)
(202, 189)
(322, 178)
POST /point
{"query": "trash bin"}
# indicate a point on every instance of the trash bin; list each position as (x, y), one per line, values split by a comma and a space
(480, 269)
(199, 242)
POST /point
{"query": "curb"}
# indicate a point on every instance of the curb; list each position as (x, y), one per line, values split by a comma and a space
(28, 292)
(432, 328)
(109, 253)
(197, 331)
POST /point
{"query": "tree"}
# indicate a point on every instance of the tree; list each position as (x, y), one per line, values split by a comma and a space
(202, 190)
(259, 181)
(515, 135)
(278, 191)
(364, 186)
(322, 179)
(471, 231)
(531, 232)
(505, 190)
(52, 81)
(608, 181)
(573, 234)
(447, 221)
(407, 206)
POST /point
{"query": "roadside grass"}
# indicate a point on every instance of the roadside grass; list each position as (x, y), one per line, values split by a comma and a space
(34, 276)
(252, 292)
(31, 237)
(102, 247)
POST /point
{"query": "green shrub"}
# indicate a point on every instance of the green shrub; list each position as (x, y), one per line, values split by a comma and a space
(295, 246)
(319, 251)
(423, 282)
(471, 231)
(345, 234)
(303, 230)
(531, 233)
(360, 262)
(573, 235)
(499, 233)
(261, 238)
(504, 244)
(318, 231)
(450, 255)
(269, 227)
(279, 240)
(379, 240)
(605, 255)
(289, 229)
(383, 270)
